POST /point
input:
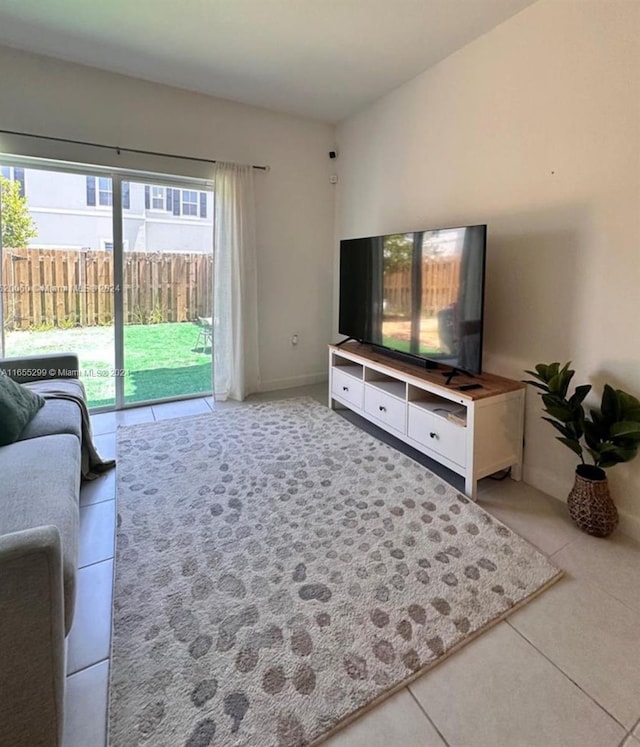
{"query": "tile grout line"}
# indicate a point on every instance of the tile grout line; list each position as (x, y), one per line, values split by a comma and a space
(89, 666)
(97, 562)
(565, 674)
(113, 542)
(95, 503)
(426, 715)
(613, 596)
(560, 549)
(624, 740)
(594, 584)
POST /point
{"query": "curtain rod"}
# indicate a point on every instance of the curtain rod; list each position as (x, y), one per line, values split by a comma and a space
(119, 149)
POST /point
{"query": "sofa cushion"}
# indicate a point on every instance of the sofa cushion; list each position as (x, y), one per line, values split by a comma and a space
(40, 486)
(18, 405)
(57, 416)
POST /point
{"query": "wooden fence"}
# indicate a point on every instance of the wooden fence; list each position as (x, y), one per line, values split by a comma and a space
(440, 283)
(69, 287)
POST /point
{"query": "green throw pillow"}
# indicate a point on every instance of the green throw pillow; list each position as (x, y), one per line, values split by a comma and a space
(18, 405)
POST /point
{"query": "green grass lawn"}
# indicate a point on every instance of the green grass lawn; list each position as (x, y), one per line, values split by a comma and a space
(404, 346)
(160, 360)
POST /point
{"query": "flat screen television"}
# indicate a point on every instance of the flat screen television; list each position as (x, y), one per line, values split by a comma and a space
(419, 295)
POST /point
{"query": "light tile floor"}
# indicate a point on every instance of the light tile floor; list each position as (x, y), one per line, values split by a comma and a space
(562, 671)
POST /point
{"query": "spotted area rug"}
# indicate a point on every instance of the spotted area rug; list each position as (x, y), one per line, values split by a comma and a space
(279, 571)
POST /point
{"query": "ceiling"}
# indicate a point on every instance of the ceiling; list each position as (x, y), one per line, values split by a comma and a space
(324, 59)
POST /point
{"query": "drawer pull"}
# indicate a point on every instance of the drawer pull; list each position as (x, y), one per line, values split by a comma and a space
(382, 408)
(433, 434)
(345, 388)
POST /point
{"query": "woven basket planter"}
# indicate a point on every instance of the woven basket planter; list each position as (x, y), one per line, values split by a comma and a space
(590, 503)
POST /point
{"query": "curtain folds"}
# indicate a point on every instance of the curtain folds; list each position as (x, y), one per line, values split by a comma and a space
(235, 294)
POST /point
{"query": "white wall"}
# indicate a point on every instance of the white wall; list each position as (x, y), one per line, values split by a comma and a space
(533, 128)
(294, 200)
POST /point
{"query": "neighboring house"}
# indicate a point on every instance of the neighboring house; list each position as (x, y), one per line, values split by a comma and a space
(74, 211)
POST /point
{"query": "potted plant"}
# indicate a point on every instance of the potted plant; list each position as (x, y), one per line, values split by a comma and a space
(609, 435)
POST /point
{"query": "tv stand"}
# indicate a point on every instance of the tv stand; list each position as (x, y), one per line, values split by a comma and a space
(472, 431)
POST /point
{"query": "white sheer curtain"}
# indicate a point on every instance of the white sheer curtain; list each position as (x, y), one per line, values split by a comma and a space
(235, 295)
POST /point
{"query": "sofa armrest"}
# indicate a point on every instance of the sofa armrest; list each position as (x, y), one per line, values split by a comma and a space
(38, 367)
(32, 650)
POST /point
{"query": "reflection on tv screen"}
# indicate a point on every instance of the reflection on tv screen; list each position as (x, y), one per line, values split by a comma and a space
(419, 293)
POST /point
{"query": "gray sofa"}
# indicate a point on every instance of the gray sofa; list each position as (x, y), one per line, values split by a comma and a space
(39, 509)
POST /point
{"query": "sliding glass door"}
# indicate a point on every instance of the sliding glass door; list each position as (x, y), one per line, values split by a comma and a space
(115, 268)
(57, 270)
(167, 266)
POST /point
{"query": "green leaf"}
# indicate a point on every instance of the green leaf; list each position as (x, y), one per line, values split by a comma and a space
(628, 401)
(572, 444)
(631, 440)
(544, 387)
(565, 430)
(553, 369)
(607, 448)
(552, 400)
(579, 395)
(560, 383)
(543, 371)
(596, 416)
(564, 416)
(559, 412)
(592, 435)
(626, 455)
(625, 428)
(578, 423)
(554, 384)
(633, 413)
(610, 459)
(629, 406)
(610, 404)
(565, 376)
(536, 375)
(605, 463)
(537, 384)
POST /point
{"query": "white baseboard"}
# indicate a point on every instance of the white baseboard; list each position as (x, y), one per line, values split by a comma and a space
(272, 385)
(559, 489)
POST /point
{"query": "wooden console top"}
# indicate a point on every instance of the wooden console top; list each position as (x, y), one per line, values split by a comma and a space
(491, 384)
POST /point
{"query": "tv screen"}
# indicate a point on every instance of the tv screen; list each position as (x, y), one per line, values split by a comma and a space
(419, 293)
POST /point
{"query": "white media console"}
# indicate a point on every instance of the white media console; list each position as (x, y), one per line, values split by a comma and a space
(474, 433)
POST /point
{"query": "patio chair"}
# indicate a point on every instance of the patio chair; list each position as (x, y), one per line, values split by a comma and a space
(205, 333)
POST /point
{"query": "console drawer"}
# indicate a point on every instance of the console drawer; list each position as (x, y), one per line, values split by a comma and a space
(347, 387)
(438, 434)
(386, 408)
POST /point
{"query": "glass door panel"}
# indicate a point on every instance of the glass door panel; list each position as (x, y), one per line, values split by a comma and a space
(167, 237)
(57, 271)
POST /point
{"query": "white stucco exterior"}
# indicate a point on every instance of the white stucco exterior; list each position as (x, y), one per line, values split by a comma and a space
(58, 203)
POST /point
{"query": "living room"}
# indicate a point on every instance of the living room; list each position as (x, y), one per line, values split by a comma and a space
(529, 124)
